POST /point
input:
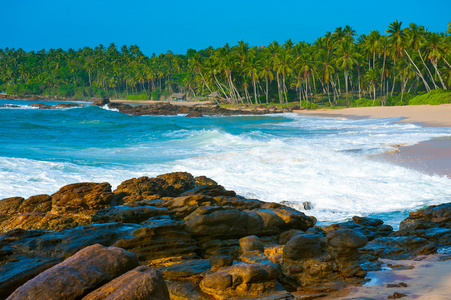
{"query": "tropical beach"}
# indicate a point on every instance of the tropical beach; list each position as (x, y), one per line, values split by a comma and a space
(218, 151)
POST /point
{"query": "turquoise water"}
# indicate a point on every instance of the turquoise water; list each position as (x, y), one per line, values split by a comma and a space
(273, 158)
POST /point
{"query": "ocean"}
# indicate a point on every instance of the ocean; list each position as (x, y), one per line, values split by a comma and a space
(277, 158)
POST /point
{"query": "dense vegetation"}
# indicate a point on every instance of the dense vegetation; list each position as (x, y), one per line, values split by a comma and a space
(339, 68)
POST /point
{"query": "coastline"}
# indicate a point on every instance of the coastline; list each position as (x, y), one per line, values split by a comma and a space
(427, 115)
(432, 157)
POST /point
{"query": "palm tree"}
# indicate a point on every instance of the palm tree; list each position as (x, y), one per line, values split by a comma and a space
(397, 41)
(346, 58)
(415, 39)
(372, 77)
(436, 50)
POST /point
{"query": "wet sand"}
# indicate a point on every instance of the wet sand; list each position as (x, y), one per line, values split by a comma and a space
(432, 157)
(426, 277)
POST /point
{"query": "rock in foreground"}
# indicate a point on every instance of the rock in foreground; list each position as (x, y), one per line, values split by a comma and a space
(194, 240)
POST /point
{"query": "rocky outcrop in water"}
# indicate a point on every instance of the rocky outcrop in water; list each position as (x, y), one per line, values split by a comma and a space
(190, 238)
(169, 109)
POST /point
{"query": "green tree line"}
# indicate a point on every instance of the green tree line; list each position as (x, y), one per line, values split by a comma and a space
(339, 68)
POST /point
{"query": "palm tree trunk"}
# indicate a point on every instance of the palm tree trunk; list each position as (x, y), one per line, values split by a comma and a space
(255, 92)
(438, 73)
(429, 72)
(346, 83)
(267, 91)
(278, 88)
(418, 71)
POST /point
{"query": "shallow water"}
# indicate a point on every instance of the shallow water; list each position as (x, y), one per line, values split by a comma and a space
(273, 158)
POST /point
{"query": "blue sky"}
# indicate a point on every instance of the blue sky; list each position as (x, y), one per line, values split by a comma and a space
(158, 26)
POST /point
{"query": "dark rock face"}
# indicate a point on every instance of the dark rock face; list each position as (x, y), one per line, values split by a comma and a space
(101, 102)
(204, 242)
(79, 274)
(169, 109)
(432, 223)
(24, 254)
(139, 283)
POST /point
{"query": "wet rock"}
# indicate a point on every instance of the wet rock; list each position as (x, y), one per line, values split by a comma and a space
(346, 239)
(101, 102)
(161, 241)
(82, 200)
(68, 105)
(19, 270)
(39, 203)
(431, 223)
(399, 247)
(203, 180)
(32, 221)
(209, 189)
(251, 243)
(9, 206)
(230, 223)
(41, 106)
(187, 270)
(194, 114)
(302, 246)
(166, 185)
(242, 279)
(127, 214)
(288, 235)
(137, 284)
(371, 228)
(218, 262)
(76, 276)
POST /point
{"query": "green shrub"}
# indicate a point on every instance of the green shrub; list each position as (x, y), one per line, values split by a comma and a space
(396, 100)
(434, 97)
(138, 97)
(155, 94)
(364, 102)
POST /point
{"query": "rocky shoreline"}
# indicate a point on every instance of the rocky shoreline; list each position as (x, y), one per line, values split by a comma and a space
(159, 109)
(176, 236)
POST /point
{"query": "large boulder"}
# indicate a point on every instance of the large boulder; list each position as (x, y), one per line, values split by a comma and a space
(24, 254)
(137, 284)
(302, 246)
(75, 277)
(259, 279)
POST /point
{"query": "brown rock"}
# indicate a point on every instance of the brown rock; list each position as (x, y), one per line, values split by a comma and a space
(203, 180)
(32, 221)
(38, 203)
(302, 246)
(161, 242)
(137, 284)
(76, 276)
(251, 243)
(82, 200)
(9, 206)
(101, 102)
(218, 262)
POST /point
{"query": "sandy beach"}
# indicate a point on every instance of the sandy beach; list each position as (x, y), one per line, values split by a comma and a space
(432, 157)
(427, 115)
